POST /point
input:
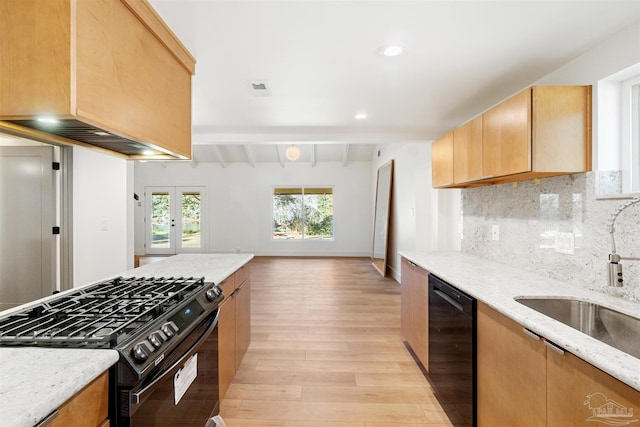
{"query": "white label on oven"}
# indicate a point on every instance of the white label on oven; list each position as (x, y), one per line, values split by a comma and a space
(184, 377)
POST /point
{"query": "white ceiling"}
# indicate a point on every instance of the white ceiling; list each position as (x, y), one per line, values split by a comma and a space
(320, 61)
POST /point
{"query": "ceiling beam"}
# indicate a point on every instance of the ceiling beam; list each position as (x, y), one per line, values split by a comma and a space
(280, 155)
(313, 155)
(218, 154)
(345, 156)
(247, 151)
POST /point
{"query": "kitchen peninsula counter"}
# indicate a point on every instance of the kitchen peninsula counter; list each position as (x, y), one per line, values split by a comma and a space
(213, 267)
(498, 284)
(36, 381)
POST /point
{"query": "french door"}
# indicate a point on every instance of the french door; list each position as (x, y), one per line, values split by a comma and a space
(175, 220)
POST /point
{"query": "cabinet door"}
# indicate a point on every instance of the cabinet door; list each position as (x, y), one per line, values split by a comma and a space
(406, 301)
(442, 161)
(414, 301)
(243, 321)
(580, 394)
(467, 151)
(226, 344)
(87, 408)
(506, 137)
(511, 373)
(561, 130)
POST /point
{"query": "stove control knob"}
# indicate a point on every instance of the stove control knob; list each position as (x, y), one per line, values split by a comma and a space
(169, 329)
(212, 293)
(157, 338)
(141, 351)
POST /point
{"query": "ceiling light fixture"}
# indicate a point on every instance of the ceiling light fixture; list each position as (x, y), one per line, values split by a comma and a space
(292, 153)
(361, 116)
(391, 50)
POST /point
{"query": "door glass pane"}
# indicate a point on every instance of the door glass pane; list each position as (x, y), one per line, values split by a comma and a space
(160, 220)
(191, 211)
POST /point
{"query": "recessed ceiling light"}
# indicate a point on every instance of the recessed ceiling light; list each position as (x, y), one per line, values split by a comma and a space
(101, 133)
(391, 50)
(148, 153)
(361, 116)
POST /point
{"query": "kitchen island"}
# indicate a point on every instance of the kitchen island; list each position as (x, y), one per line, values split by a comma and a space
(34, 382)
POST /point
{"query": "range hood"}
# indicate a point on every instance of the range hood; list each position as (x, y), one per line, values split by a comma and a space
(104, 74)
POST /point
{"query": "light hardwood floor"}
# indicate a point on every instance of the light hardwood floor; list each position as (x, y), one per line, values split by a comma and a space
(326, 351)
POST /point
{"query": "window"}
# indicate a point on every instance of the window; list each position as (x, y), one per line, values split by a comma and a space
(303, 213)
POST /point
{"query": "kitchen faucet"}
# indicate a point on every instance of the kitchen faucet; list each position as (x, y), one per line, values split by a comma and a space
(615, 268)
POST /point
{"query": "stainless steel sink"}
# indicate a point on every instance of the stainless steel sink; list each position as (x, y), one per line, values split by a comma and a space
(609, 326)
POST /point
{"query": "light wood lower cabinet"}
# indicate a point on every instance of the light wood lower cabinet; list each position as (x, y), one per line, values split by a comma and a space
(523, 382)
(226, 344)
(243, 321)
(580, 394)
(414, 309)
(511, 373)
(89, 407)
(234, 327)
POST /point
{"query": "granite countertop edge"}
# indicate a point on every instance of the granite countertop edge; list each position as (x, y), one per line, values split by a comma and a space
(496, 285)
(35, 381)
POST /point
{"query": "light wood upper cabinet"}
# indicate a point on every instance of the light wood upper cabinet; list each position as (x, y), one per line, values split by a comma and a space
(107, 65)
(542, 131)
(442, 161)
(467, 151)
(414, 309)
(506, 136)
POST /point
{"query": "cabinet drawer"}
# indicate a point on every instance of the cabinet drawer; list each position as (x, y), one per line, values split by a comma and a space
(242, 274)
(228, 286)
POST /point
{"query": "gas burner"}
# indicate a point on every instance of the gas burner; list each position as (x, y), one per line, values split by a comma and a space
(101, 315)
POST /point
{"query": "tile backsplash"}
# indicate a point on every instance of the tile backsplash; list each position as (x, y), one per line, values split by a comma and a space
(535, 217)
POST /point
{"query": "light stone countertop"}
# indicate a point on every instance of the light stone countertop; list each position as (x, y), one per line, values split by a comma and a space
(497, 284)
(213, 267)
(36, 381)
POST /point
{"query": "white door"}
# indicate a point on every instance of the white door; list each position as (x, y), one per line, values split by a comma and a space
(27, 217)
(175, 221)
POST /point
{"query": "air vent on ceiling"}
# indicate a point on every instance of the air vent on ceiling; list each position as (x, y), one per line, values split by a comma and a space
(259, 88)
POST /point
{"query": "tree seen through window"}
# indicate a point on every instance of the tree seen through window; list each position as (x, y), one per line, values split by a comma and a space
(303, 213)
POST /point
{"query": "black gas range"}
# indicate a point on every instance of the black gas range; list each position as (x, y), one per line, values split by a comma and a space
(165, 330)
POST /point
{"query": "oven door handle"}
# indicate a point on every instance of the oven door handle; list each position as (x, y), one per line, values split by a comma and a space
(136, 397)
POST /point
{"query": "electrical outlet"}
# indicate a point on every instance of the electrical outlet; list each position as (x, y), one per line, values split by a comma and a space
(565, 243)
(105, 225)
(495, 232)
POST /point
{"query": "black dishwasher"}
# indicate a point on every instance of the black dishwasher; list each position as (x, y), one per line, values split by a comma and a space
(452, 347)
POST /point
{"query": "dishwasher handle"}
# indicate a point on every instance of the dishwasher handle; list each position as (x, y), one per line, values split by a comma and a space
(448, 299)
(453, 296)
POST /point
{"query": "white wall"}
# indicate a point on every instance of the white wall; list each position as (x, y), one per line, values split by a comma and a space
(240, 204)
(100, 199)
(617, 53)
(422, 218)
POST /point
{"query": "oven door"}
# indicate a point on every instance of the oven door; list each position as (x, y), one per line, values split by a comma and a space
(183, 390)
